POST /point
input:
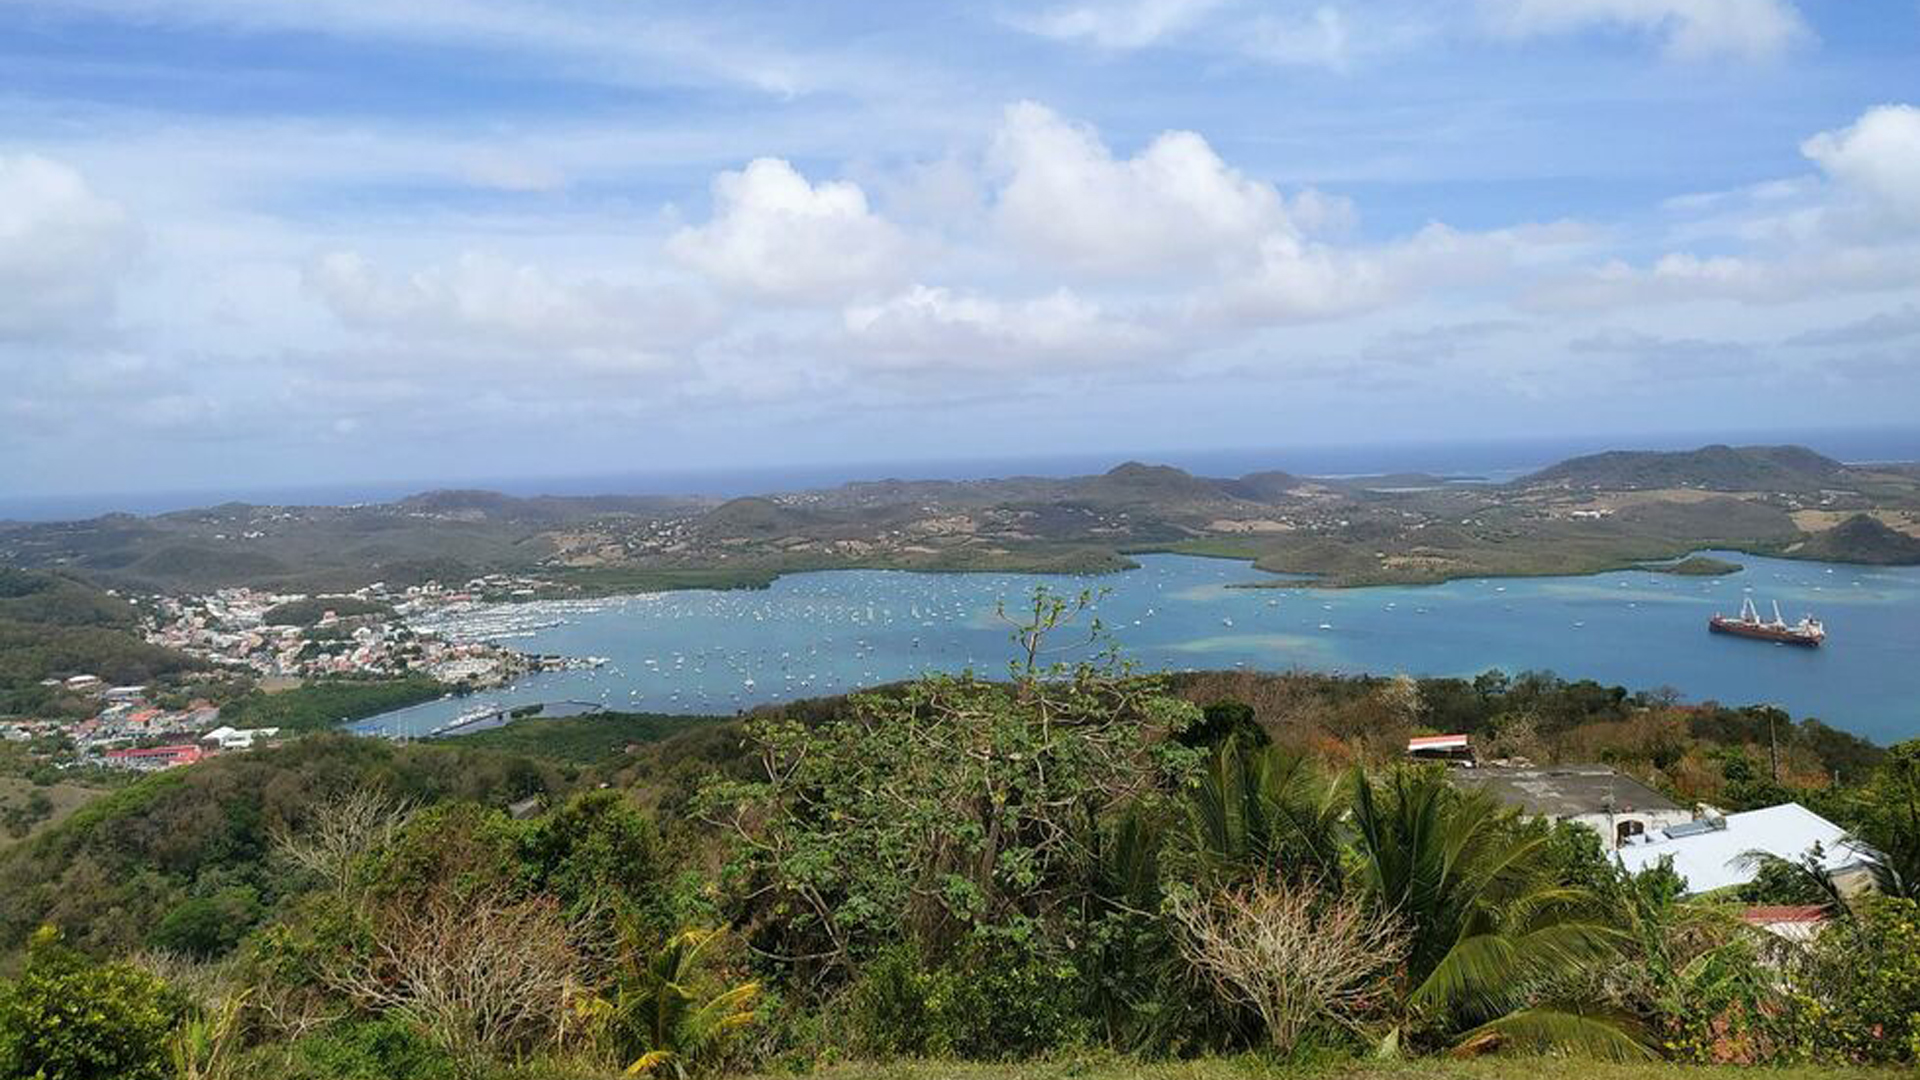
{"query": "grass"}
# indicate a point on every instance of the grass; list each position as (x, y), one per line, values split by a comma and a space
(1253, 1068)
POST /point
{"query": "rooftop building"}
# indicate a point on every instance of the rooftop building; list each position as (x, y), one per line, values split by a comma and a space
(1716, 853)
(1617, 807)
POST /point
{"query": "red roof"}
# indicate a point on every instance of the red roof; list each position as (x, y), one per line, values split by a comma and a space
(1437, 742)
(1783, 913)
(184, 754)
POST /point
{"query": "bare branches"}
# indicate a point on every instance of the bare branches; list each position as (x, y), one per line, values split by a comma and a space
(482, 972)
(1294, 954)
(342, 829)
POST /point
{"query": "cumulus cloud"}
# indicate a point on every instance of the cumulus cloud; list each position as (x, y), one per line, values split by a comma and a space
(1876, 157)
(1065, 198)
(1689, 28)
(484, 298)
(776, 236)
(1851, 233)
(63, 249)
(935, 328)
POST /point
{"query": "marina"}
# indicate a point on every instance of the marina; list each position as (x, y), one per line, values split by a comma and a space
(827, 632)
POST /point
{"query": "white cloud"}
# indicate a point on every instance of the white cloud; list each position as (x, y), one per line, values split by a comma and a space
(1067, 199)
(1689, 28)
(775, 235)
(937, 328)
(490, 301)
(1852, 233)
(1119, 24)
(1876, 157)
(63, 249)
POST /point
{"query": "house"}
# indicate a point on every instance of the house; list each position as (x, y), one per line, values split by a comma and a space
(1797, 923)
(155, 758)
(231, 738)
(1619, 808)
(84, 683)
(1715, 853)
(1455, 748)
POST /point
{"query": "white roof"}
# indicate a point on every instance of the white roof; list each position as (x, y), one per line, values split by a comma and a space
(1711, 858)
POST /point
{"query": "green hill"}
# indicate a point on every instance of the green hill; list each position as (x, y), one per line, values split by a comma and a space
(1715, 468)
(1861, 539)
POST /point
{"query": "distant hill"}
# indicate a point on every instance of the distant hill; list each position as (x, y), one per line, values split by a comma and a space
(1714, 468)
(1160, 485)
(1862, 539)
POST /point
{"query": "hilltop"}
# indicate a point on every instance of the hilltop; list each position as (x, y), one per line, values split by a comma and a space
(1598, 512)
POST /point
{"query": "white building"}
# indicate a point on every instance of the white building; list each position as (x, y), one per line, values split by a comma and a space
(232, 738)
(1713, 853)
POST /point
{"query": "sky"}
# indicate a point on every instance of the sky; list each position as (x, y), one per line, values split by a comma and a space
(257, 242)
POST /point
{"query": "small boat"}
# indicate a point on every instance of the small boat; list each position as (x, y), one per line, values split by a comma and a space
(1808, 631)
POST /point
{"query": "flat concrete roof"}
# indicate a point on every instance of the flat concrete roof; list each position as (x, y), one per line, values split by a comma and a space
(1566, 790)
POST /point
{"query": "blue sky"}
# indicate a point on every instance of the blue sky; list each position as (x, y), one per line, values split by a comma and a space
(254, 242)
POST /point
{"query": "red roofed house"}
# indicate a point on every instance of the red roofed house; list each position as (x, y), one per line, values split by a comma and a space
(1441, 748)
(154, 758)
(1794, 922)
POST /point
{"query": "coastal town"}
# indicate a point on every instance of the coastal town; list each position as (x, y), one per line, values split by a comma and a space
(262, 639)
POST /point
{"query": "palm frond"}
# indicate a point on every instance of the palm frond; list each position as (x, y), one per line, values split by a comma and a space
(1553, 1030)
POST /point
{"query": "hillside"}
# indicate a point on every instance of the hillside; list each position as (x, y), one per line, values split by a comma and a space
(1712, 468)
(1861, 539)
(53, 626)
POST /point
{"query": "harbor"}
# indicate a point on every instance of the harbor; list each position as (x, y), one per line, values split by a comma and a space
(814, 634)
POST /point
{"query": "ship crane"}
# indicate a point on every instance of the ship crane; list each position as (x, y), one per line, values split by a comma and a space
(1748, 624)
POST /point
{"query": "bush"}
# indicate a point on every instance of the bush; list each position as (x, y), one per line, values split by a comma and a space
(996, 1000)
(1862, 1000)
(382, 1049)
(66, 1019)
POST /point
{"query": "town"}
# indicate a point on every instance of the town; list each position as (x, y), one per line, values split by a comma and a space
(263, 639)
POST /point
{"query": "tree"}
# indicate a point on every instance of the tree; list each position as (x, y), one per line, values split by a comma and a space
(1488, 923)
(67, 1019)
(950, 804)
(1260, 812)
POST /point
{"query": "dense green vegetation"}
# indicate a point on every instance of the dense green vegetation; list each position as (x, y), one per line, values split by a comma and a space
(116, 874)
(599, 738)
(320, 704)
(1075, 864)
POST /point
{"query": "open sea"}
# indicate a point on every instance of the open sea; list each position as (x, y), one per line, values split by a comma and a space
(827, 632)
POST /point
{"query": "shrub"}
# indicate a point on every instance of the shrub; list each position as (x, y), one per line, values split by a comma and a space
(381, 1049)
(1008, 999)
(1862, 994)
(1301, 958)
(997, 999)
(66, 1019)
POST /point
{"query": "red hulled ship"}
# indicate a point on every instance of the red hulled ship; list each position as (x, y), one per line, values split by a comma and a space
(1807, 631)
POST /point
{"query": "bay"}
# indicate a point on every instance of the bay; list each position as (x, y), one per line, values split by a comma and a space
(828, 632)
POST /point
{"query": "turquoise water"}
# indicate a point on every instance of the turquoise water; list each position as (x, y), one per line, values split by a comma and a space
(823, 633)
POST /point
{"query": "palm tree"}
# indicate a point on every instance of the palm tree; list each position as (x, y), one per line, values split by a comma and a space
(1262, 811)
(1489, 923)
(659, 1005)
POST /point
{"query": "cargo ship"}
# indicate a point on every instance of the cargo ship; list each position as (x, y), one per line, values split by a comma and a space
(1807, 631)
